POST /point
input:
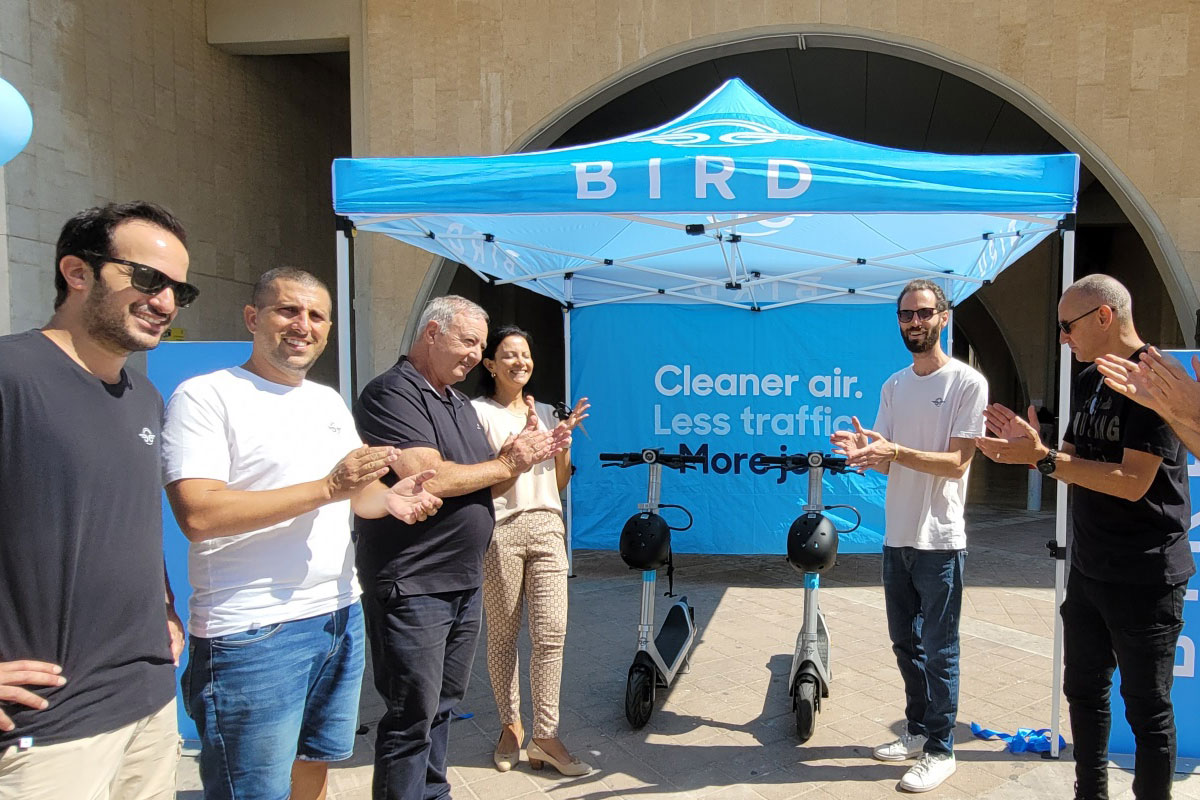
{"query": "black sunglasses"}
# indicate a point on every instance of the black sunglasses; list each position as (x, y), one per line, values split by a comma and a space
(906, 314)
(1065, 327)
(148, 280)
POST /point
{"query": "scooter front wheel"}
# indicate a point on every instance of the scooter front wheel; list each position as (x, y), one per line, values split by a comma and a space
(639, 695)
(806, 707)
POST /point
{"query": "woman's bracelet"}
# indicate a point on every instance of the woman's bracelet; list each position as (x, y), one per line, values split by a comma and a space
(895, 451)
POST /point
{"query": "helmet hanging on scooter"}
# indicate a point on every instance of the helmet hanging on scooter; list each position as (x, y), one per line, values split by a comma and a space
(645, 541)
(812, 543)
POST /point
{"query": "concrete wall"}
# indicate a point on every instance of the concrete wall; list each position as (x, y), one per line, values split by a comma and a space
(130, 101)
(477, 77)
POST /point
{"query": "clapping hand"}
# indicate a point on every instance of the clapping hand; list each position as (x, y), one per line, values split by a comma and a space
(408, 501)
(359, 468)
(1017, 442)
(573, 417)
(862, 447)
(1155, 380)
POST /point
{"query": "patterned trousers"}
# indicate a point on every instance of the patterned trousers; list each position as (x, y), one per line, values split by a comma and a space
(527, 564)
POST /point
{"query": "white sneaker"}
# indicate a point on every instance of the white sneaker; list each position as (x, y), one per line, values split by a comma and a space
(909, 745)
(929, 772)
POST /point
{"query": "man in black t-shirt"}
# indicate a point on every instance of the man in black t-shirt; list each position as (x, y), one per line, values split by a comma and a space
(1130, 560)
(88, 635)
(421, 582)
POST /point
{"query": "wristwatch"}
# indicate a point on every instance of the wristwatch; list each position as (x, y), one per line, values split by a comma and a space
(1046, 465)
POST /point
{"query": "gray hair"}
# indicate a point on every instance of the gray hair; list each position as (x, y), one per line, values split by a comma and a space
(1106, 290)
(443, 310)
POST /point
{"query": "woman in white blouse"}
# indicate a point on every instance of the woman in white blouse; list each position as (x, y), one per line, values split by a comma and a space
(527, 560)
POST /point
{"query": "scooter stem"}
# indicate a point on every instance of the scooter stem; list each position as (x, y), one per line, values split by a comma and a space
(814, 489)
(653, 489)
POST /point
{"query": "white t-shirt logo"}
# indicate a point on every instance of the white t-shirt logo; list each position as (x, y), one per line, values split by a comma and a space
(333, 426)
(938, 402)
(147, 436)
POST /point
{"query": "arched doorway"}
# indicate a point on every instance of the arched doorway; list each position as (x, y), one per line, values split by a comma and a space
(895, 94)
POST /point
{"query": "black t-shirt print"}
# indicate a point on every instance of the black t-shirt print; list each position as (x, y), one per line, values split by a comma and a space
(81, 556)
(1121, 541)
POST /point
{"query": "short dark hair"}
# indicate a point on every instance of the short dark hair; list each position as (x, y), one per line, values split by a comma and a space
(487, 383)
(941, 303)
(260, 294)
(88, 235)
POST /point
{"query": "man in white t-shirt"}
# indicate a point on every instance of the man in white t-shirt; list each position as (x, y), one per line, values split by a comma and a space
(929, 416)
(277, 641)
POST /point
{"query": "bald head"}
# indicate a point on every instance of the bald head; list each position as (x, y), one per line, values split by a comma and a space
(1104, 290)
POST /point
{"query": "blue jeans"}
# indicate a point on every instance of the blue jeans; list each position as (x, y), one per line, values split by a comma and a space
(1136, 628)
(422, 648)
(266, 697)
(922, 590)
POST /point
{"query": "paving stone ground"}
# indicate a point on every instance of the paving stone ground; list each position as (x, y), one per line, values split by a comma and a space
(726, 730)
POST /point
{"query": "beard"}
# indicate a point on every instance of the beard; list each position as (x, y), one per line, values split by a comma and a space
(108, 323)
(924, 343)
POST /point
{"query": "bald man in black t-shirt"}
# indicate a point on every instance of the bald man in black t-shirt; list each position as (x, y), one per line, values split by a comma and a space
(1130, 558)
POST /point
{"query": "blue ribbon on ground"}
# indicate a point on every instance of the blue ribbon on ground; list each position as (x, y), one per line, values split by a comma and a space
(1024, 740)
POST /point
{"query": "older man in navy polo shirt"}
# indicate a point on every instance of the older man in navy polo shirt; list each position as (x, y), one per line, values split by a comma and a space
(421, 583)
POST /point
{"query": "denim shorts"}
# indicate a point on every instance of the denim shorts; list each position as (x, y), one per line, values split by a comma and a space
(263, 698)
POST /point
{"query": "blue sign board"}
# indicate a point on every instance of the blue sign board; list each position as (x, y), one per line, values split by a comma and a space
(1185, 694)
(730, 387)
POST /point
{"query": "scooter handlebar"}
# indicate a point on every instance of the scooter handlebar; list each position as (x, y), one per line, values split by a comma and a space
(650, 455)
(802, 462)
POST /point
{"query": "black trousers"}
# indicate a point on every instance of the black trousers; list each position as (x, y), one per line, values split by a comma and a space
(422, 648)
(1134, 627)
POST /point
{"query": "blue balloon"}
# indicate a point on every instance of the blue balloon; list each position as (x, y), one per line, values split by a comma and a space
(16, 122)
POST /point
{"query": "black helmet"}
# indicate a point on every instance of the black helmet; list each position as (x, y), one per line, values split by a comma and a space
(812, 543)
(645, 541)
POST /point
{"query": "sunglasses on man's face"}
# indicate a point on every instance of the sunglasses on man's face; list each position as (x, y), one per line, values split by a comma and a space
(906, 314)
(148, 280)
(1065, 327)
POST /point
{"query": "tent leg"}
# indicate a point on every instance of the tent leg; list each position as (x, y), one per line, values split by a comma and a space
(343, 311)
(567, 505)
(1060, 513)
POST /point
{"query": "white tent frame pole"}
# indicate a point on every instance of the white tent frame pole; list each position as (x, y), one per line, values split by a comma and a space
(344, 301)
(1060, 495)
(568, 507)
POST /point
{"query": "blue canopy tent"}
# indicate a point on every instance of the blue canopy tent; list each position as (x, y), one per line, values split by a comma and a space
(730, 205)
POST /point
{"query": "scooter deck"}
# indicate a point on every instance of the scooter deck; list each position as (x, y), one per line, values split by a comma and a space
(674, 634)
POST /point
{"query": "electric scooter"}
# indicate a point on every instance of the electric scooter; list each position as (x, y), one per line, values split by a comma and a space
(812, 549)
(646, 545)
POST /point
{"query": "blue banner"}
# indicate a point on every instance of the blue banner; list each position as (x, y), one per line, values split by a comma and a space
(728, 386)
(1185, 694)
(169, 365)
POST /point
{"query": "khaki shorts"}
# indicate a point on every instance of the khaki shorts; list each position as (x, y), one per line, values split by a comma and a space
(136, 762)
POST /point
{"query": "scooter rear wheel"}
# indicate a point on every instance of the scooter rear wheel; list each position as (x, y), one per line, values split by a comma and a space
(639, 695)
(806, 707)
